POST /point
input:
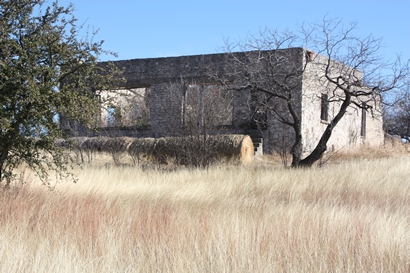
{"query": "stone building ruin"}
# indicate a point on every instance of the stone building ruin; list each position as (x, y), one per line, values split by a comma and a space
(160, 96)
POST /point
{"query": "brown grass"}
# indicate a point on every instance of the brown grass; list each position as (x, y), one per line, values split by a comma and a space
(347, 217)
(141, 148)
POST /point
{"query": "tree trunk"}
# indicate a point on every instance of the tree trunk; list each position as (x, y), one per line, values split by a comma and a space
(1, 170)
(321, 147)
(297, 127)
(297, 147)
(3, 157)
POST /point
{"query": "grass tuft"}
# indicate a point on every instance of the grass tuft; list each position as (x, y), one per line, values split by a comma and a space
(346, 217)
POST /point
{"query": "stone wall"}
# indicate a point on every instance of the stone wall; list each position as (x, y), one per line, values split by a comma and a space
(167, 80)
(153, 71)
(348, 134)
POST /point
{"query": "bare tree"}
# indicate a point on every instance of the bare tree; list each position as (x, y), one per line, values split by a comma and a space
(348, 69)
(397, 116)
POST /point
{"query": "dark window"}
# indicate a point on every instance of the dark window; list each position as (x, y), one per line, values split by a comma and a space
(363, 126)
(324, 109)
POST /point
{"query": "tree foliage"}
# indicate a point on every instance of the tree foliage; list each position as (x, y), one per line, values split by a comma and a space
(45, 70)
(348, 66)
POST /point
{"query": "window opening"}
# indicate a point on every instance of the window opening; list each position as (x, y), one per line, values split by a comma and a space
(125, 107)
(324, 109)
(113, 116)
(363, 125)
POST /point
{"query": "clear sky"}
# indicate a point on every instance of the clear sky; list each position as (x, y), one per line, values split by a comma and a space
(163, 28)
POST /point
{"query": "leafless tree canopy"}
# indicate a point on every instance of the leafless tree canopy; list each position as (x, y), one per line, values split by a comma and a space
(349, 66)
(397, 115)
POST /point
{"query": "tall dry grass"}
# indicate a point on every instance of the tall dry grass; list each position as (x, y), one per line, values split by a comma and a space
(347, 217)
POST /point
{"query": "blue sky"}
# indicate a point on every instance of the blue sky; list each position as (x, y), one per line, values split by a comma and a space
(160, 28)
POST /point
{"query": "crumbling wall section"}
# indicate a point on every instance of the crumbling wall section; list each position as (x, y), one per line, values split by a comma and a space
(166, 79)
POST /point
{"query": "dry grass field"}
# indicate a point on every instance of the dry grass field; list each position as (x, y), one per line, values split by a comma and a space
(347, 216)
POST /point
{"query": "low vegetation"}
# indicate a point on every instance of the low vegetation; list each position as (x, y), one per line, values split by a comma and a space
(192, 150)
(351, 215)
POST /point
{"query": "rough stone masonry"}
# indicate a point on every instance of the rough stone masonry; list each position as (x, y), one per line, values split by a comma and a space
(154, 102)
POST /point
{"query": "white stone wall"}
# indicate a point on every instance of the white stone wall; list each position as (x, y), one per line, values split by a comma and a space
(347, 133)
